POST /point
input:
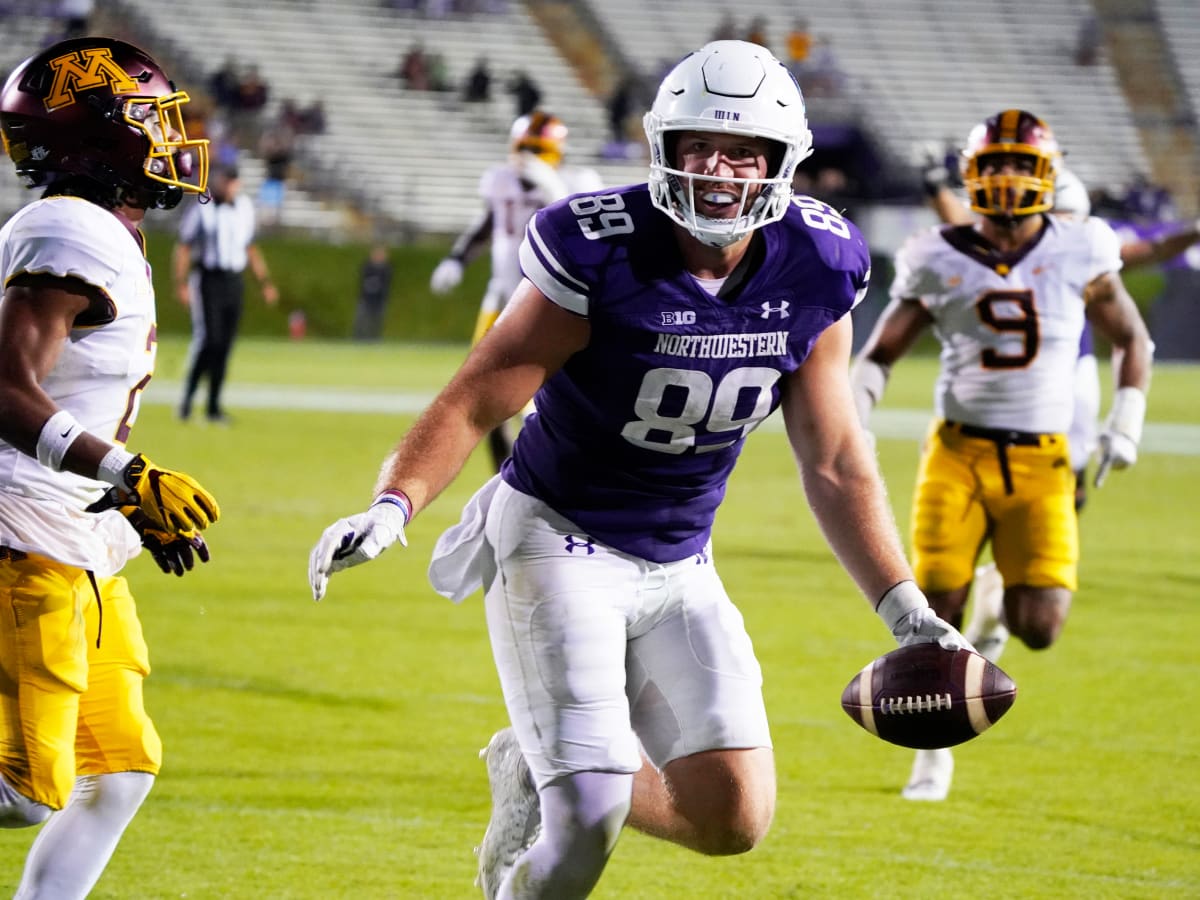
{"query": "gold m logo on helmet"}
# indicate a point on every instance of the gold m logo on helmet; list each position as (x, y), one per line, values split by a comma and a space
(83, 71)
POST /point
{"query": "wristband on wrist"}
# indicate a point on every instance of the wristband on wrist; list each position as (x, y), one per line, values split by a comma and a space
(868, 381)
(899, 601)
(112, 467)
(397, 498)
(55, 438)
(1127, 415)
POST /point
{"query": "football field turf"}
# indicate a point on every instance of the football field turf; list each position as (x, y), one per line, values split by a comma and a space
(329, 750)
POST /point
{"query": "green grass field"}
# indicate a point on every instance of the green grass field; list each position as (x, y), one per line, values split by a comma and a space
(329, 750)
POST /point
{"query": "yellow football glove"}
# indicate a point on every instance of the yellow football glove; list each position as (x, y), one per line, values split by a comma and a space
(172, 501)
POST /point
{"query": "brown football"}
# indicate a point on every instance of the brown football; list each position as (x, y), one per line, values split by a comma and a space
(924, 696)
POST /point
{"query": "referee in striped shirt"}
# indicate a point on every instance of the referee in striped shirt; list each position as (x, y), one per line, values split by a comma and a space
(216, 243)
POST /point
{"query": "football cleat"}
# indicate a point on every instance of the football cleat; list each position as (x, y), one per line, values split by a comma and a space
(932, 772)
(516, 813)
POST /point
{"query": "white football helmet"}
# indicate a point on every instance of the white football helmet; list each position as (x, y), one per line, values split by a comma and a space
(1070, 196)
(733, 87)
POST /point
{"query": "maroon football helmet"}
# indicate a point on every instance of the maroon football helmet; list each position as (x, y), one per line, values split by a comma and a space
(99, 109)
(1009, 194)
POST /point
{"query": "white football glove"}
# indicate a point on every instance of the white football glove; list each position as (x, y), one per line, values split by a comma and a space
(1122, 432)
(447, 276)
(354, 540)
(911, 620)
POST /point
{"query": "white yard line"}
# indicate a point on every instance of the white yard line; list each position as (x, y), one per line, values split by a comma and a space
(1176, 439)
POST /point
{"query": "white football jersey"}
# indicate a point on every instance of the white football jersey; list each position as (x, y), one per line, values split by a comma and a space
(1009, 326)
(513, 203)
(99, 377)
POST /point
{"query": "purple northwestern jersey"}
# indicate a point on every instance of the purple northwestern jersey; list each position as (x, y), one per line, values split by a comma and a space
(635, 437)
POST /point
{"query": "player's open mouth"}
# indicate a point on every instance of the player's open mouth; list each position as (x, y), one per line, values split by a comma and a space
(718, 203)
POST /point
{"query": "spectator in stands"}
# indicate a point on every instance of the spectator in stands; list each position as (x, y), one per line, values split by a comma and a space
(413, 70)
(526, 92)
(1088, 40)
(439, 73)
(478, 86)
(312, 118)
(824, 77)
(223, 85)
(726, 30)
(756, 32)
(620, 105)
(252, 91)
(76, 17)
(277, 147)
(289, 114)
(374, 283)
(799, 46)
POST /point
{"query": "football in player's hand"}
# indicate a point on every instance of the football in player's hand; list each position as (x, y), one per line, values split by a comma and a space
(924, 696)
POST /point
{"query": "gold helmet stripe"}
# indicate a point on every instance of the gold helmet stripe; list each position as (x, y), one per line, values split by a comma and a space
(1007, 130)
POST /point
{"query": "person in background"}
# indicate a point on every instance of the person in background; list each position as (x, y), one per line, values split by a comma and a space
(799, 46)
(1007, 297)
(276, 147)
(659, 324)
(526, 93)
(477, 88)
(1071, 199)
(532, 177)
(216, 243)
(374, 284)
(78, 751)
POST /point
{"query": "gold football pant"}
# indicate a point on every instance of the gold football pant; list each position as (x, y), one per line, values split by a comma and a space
(72, 663)
(1015, 488)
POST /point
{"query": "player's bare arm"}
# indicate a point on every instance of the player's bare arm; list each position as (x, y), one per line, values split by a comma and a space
(896, 331)
(1147, 252)
(529, 343)
(35, 320)
(181, 264)
(474, 238)
(839, 473)
(1114, 314)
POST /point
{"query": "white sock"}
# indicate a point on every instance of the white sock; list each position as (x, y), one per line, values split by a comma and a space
(582, 816)
(75, 844)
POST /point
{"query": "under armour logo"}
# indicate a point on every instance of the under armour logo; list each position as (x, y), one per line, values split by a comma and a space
(584, 544)
(702, 557)
(781, 309)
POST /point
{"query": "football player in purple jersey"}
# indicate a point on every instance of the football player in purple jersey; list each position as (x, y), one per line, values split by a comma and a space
(658, 324)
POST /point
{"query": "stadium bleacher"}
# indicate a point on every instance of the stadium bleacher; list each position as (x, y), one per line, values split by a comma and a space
(914, 72)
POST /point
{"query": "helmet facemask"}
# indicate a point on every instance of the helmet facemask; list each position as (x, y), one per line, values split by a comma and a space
(173, 159)
(761, 201)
